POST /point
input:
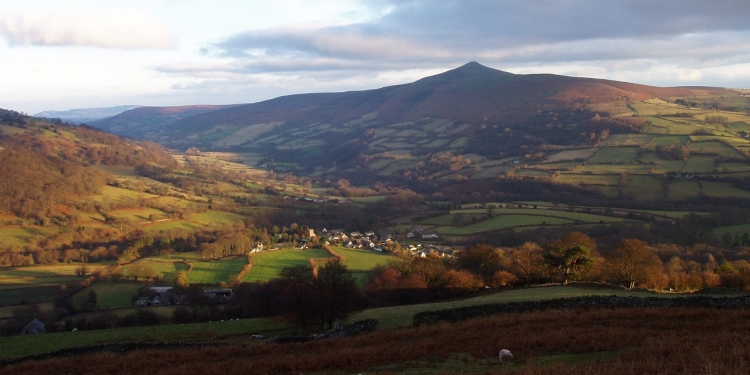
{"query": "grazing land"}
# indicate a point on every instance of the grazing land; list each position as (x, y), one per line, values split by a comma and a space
(268, 265)
(624, 341)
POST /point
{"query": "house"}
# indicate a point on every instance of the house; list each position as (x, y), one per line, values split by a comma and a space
(370, 234)
(34, 328)
(218, 295)
(430, 236)
(312, 234)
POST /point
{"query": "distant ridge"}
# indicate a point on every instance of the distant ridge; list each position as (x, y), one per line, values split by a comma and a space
(84, 115)
(472, 93)
(145, 122)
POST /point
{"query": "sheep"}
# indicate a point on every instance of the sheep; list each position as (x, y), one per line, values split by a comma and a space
(505, 353)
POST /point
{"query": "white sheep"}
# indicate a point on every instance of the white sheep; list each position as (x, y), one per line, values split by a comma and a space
(505, 353)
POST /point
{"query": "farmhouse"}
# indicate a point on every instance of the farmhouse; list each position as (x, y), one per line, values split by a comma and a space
(34, 328)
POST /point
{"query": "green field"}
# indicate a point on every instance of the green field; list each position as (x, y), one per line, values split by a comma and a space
(723, 190)
(267, 265)
(20, 346)
(502, 222)
(614, 155)
(14, 275)
(111, 295)
(213, 217)
(644, 188)
(401, 316)
(714, 148)
(16, 236)
(38, 293)
(447, 220)
(628, 140)
(166, 269)
(700, 164)
(734, 229)
(588, 179)
(682, 190)
(361, 261)
(216, 271)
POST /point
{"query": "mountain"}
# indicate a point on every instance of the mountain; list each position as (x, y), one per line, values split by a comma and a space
(85, 115)
(146, 122)
(469, 122)
(471, 93)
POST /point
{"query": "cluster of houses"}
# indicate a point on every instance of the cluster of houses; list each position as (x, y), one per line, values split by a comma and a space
(425, 251)
(419, 232)
(377, 242)
(356, 240)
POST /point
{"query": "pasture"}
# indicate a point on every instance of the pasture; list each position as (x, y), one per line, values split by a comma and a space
(700, 164)
(267, 265)
(13, 235)
(614, 155)
(502, 222)
(111, 295)
(588, 179)
(216, 271)
(20, 346)
(361, 261)
(580, 217)
(581, 154)
(166, 269)
(714, 148)
(723, 190)
(401, 316)
(643, 188)
(682, 190)
(213, 217)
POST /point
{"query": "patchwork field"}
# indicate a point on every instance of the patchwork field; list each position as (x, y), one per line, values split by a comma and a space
(215, 271)
(267, 265)
(361, 261)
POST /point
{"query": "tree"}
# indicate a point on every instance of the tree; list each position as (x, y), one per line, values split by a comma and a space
(528, 262)
(338, 292)
(298, 291)
(482, 260)
(579, 262)
(570, 262)
(82, 270)
(631, 262)
(181, 279)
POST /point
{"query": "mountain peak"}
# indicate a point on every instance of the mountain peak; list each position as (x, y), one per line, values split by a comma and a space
(474, 67)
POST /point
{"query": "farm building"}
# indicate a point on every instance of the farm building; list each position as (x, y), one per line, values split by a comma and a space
(34, 328)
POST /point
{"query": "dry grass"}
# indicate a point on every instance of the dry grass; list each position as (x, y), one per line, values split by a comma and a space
(627, 341)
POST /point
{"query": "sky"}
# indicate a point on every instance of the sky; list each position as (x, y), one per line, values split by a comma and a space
(59, 55)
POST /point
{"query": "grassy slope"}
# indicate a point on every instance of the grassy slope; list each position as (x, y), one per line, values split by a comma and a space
(19, 346)
(401, 316)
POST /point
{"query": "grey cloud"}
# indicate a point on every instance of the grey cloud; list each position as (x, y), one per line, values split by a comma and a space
(619, 37)
(465, 26)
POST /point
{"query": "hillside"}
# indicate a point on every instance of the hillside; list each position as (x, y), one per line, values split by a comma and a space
(470, 122)
(146, 122)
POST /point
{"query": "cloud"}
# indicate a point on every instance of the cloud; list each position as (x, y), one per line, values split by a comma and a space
(656, 42)
(125, 29)
(501, 32)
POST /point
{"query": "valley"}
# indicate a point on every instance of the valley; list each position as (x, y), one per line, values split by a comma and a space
(291, 216)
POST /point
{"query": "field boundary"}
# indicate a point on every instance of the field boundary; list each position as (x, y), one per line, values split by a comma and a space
(459, 314)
